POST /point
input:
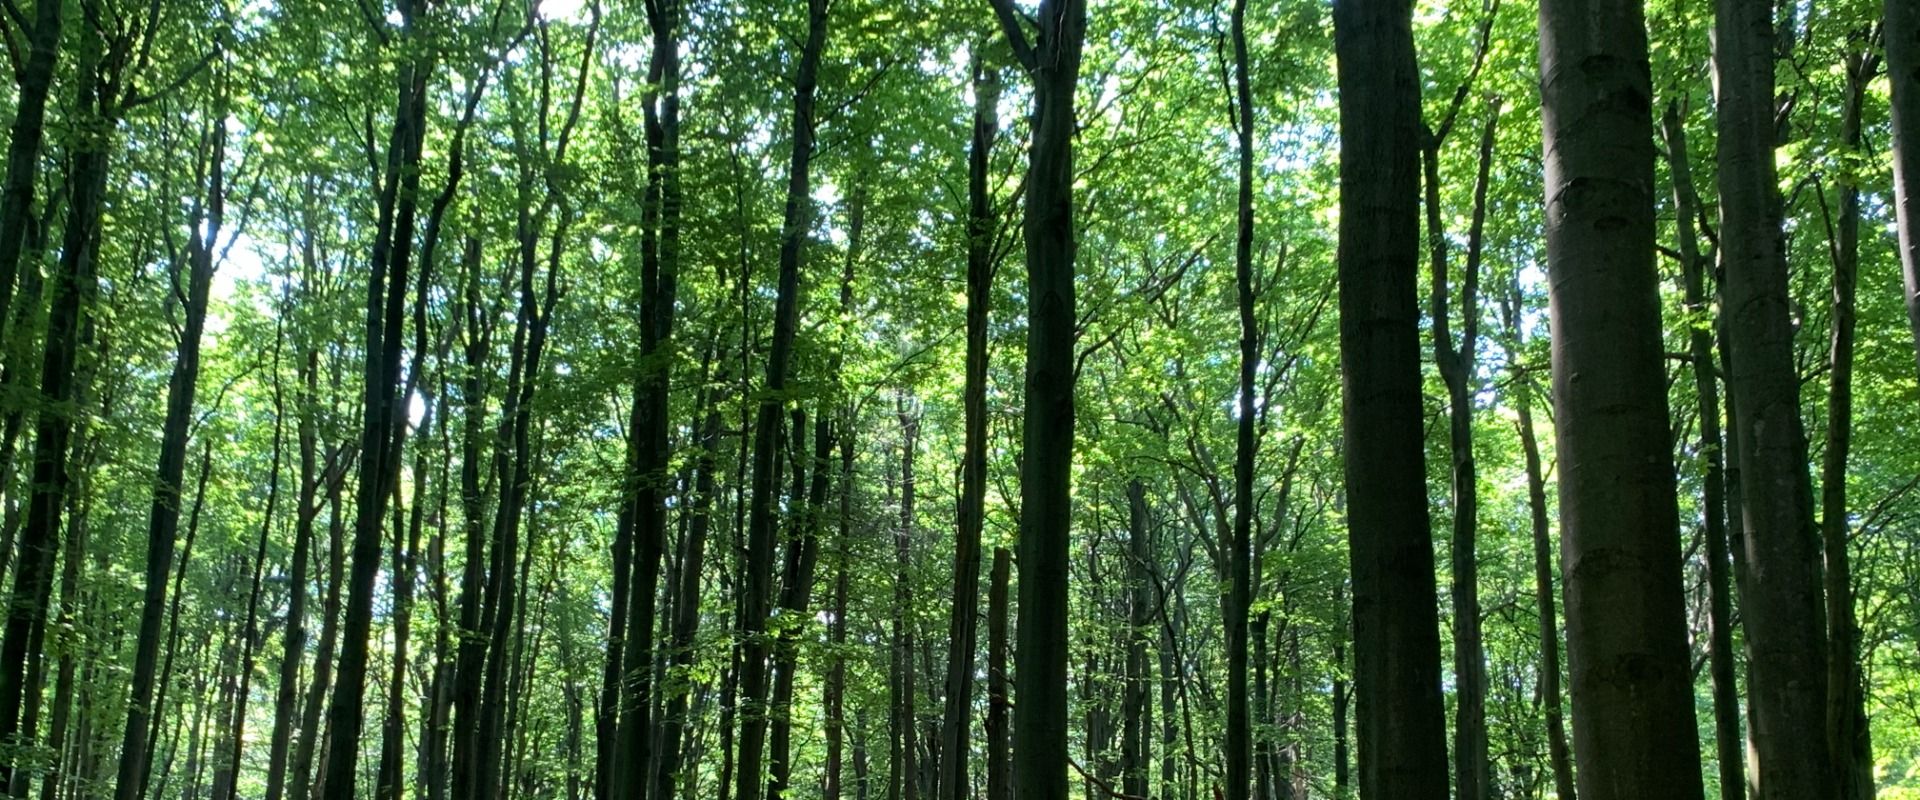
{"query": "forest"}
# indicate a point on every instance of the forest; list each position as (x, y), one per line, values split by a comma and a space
(960, 400)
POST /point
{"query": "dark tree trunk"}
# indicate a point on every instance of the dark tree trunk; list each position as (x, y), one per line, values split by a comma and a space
(470, 657)
(23, 146)
(1456, 366)
(904, 779)
(1240, 546)
(646, 511)
(1729, 741)
(163, 522)
(1848, 735)
(39, 539)
(1046, 469)
(835, 694)
(382, 413)
(999, 740)
(1626, 609)
(227, 766)
(963, 628)
(1136, 704)
(294, 636)
(1402, 722)
(756, 588)
(1901, 32)
(312, 716)
(674, 719)
(1781, 603)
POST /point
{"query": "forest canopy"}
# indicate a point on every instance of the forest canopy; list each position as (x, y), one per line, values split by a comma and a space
(960, 399)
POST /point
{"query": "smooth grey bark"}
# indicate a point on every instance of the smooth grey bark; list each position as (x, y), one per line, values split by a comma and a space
(1901, 33)
(1630, 668)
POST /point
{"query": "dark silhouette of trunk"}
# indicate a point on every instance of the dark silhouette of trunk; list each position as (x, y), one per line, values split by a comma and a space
(1901, 33)
(23, 145)
(39, 538)
(649, 430)
(227, 767)
(1136, 705)
(903, 780)
(1729, 741)
(300, 782)
(999, 740)
(382, 414)
(294, 635)
(1342, 698)
(163, 521)
(1780, 602)
(1402, 723)
(73, 605)
(1472, 772)
(471, 654)
(803, 554)
(675, 718)
(173, 613)
(835, 695)
(757, 578)
(1240, 546)
(1848, 735)
(1052, 63)
(963, 628)
(1632, 682)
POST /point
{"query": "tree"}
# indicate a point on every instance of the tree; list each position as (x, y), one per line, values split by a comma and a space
(1052, 61)
(1626, 624)
(1781, 600)
(1402, 740)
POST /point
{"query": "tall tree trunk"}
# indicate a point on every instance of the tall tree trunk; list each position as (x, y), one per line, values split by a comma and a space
(39, 540)
(835, 695)
(1848, 735)
(1626, 608)
(963, 629)
(1240, 546)
(1046, 469)
(469, 669)
(227, 767)
(999, 740)
(1781, 602)
(904, 778)
(382, 413)
(756, 588)
(163, 522)
(1901, 32)
(23, 145)
(674, 718)
(1456, 365)
(1136, 705)
(294, 636)
(301, 779)
(1402, 723)
(1342, 697)
(1729, 738)
(650, 434)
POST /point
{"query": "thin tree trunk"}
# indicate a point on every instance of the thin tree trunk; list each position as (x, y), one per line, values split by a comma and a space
(904, 779)
(1848, 735)
(1729, 742)
(757, 580)
(1239, 548)
(1402, 722)
(999, 710)
(1781, 603)
(23, 145)
(678, 686)
(1136, 706)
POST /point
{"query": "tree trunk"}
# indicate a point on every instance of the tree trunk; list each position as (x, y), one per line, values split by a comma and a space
(163, 522)
(39, 540)
(1729, 738)
(23, 146)
(1901, 33)
(1781, 600)
(1626, 609)
(1456, 367)
(1848, 735)
(1402, 722)
(904, 778)
(382, 413)
(686, 607)
(1240, 546)
(1136, 705)
(999, 741)
(1040, 753)
(756, 589)
(956, 733)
